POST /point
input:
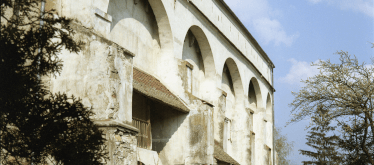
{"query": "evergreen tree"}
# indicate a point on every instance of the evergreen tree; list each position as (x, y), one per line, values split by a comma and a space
(325, 146)
(346, 89)
(351, 139)
(37, 127)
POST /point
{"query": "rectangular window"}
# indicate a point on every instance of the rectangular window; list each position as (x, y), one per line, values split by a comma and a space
(265, 131)
(269, 156)
(189, 76)
(268, 160)
(226, 133)
(253, 148)
(229, 129)
(189, 79)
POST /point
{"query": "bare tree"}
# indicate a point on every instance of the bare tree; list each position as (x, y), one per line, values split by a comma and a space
(283, 147)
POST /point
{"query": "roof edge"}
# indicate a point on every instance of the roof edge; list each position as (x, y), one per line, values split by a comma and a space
(183, 107)
(255, 43)
(232, 44)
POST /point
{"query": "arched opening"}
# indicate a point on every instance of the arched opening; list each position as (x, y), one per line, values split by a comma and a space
(200, 64)
(232, 88)
(268, 117)
(254, 95)
(206, 51)
(166, 36)
(257, 122)
(228, 87)
(268, 107)
(195, 67)
(227, 84)
(142, 27)
(232, 85)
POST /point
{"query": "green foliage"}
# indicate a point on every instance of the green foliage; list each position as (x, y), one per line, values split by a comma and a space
(282, 146)
(37, 126)
(346, 91)
(325, 146)
(351, 141)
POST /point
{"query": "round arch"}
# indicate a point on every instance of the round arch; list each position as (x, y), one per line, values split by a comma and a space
(164, 28)
(254, 94)
(206, 51)
(268, 106)
(197, 51)
(116, 8)
(236, 80)
(237, 123)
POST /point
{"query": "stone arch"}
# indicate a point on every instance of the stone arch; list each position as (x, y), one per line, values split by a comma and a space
(197, 51)
(143, 27)
(121, 10)
(237, 84)
(117, 9)
(124, 21)
(206, 51)
(269, 106)
(164, 28)
(254, 94)
(234, 128)
(268, 117)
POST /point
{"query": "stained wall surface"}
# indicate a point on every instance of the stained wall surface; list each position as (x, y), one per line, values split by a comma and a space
(199, 51)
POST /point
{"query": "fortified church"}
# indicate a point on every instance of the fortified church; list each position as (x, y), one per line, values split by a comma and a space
(171, 82)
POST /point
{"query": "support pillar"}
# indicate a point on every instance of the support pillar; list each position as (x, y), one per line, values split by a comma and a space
(121, 143)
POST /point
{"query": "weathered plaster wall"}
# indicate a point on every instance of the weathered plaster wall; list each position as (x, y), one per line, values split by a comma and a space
(181, 16)
(156, 31)
(220, 126)
(228, 88)
(200, 134)
(100, 74)
(252, 149)
(192, 54)
(220, 17)
(135, 28)
(177, 137)
(168, 133)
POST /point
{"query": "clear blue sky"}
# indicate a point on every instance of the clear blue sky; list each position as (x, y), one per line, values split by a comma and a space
(295, 33)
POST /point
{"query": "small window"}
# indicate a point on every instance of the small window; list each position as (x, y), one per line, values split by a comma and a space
(268, 155)
(189, 79)
(224, 101)
(265, 131)
(189, 76)
(226, 134)
(228, 130)
(252, 148)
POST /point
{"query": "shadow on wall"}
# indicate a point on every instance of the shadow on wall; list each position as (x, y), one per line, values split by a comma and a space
(252, 97)
(161, 122)
(160, 128)
(165, 123)
(120, 10)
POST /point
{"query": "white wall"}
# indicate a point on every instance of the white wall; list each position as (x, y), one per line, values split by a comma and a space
(156, 31)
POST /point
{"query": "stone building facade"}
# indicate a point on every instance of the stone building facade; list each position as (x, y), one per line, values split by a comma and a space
(170, 81)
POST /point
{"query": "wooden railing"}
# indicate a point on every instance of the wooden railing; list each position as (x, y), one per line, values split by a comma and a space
(144, 135)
